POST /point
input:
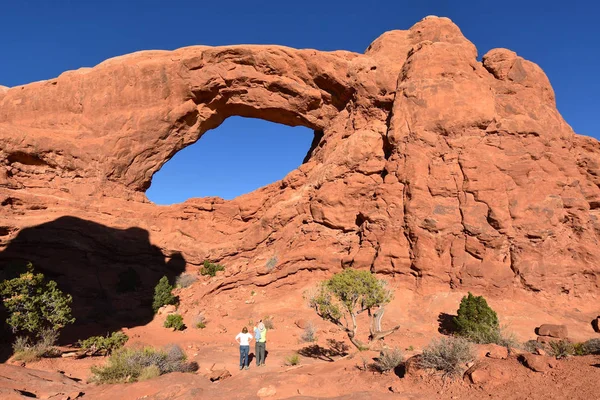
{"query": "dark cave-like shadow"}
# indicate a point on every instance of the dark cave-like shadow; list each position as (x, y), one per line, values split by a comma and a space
(111, 273)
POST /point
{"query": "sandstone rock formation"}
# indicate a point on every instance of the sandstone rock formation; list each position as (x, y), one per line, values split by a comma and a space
(427, 164)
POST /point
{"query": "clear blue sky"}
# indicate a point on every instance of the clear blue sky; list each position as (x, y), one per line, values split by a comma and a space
(42, 38)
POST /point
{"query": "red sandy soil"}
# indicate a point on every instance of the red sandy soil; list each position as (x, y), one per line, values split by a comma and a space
(213, 348)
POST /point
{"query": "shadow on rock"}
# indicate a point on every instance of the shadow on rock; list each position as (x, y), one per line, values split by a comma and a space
(111, 273)
(446, 324)
(336, 349)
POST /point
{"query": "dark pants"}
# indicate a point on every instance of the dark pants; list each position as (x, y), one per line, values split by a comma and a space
(244, 350)
(261, 348)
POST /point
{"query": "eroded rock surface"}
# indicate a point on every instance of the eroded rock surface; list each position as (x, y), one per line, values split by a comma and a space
(427, 165)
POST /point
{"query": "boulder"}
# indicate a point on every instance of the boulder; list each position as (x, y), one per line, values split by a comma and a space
(166, 310)
(555, 331)
(218, 375)
(492, 351)
(538, 363)
(486, 374)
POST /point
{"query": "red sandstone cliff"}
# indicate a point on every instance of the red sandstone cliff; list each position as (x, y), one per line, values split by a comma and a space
(427, 164)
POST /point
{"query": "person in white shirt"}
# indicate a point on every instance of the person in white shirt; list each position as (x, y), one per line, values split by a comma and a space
(243, 338)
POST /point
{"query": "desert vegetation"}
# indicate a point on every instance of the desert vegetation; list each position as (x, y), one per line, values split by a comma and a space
(103, 345)
(448, 355)
(210, 269)
(477, 322)
(389, 359)
(185, 280)
(347, 294)
(163, 294)
(37, 311)
(133, 364)
(174, 321)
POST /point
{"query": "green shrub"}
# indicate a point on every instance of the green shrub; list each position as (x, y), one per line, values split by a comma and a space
(448, 355)
(34, 304)
(389, 359)
(211, 269)
(579, 349)
(310, 333)
(185, 280)
(174, 321)
(163, 294)
(104, 345)
(342, 298)
(561, 348)
(129, 364)
(476, 321)
(292, 359)
(592, 346)
(129, 281)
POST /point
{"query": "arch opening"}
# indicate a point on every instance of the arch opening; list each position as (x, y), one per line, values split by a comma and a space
(239, 156)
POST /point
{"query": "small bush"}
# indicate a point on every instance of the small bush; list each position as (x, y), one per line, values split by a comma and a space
(268, 323)
(163, 294)
(271, 263)
(104, 345)
(211, 269)
(129, 281)
(174, 321)
(292, 359)
(309, 334)
(200, 321)
(25, 351)
(592, 346)
(21, 344)
(561, 348)
(533, 345)
(389, 359)
(448, 355)
(476, 320)
(129, 364)
(150, 372)
(185, 280)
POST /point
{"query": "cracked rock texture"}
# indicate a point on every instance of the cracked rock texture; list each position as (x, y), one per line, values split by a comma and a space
(427, 165)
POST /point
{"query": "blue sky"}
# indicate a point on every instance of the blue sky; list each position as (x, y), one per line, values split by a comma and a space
(41, 39)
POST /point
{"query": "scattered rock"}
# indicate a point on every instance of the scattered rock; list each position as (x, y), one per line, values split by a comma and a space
(538, 363)
(222, 328)
(300, 323)
(412, 366)
(266, 391)
(549, 339)
(555, 331)
(492, 351)
(540, 352)
(486, 373)
(168, 309)
(395, 388)
(218, 375)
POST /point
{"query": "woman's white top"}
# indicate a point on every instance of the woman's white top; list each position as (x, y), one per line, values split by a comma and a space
(244, 338)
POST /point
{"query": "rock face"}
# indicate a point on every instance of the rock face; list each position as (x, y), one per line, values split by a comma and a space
(427, 165)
